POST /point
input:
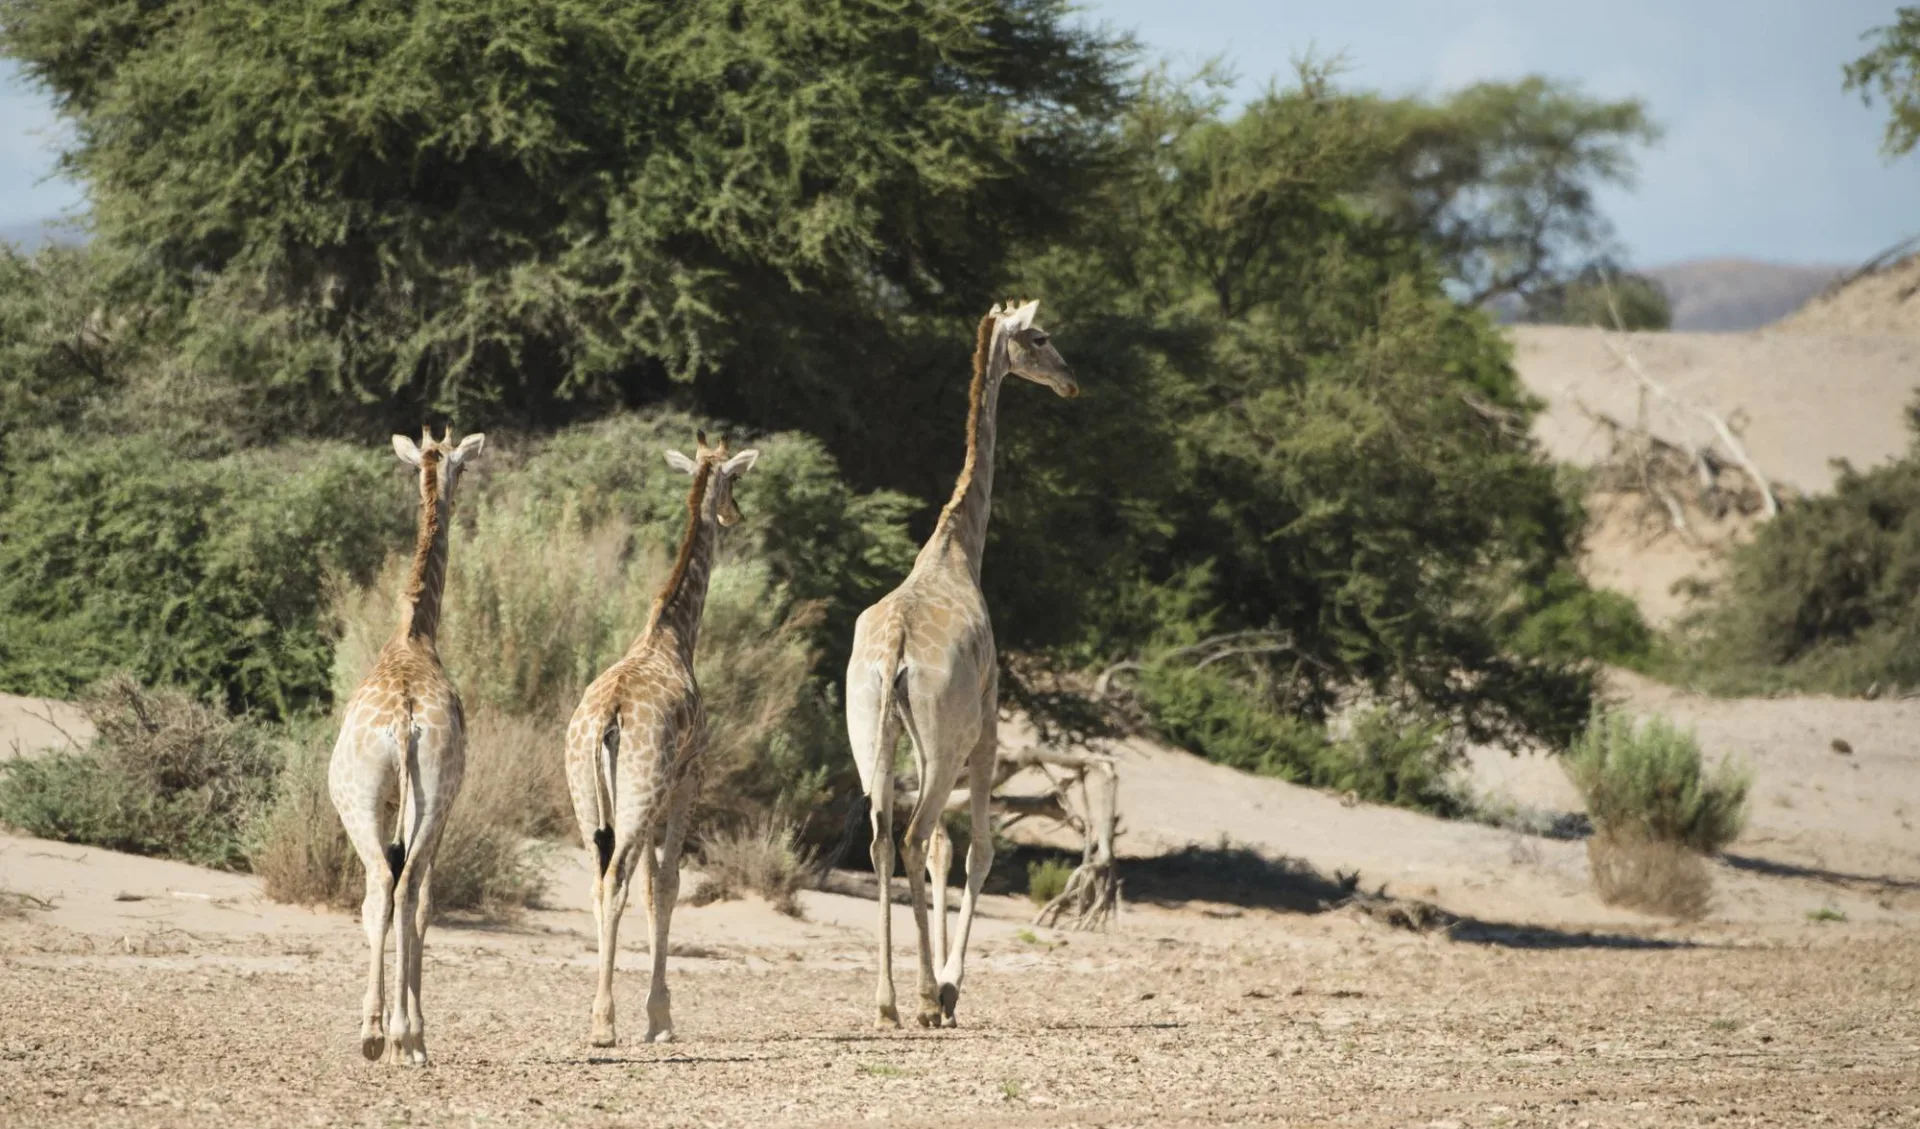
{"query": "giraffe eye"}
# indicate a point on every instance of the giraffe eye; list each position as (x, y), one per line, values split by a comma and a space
(1039, 340)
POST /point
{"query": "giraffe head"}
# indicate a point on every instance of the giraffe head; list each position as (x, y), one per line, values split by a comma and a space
(440, 461)
(725, 467)
(1030, 352)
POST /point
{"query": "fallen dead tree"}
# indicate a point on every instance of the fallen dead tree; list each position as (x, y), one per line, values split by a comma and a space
(1081, 793)
(1663, 456)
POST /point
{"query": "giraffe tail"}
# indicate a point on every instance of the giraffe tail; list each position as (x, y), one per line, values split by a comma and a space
(609, 757)
(883, 738)
(402, 844)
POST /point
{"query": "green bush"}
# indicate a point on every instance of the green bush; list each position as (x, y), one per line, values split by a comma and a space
(1646, 782)
(1390, 755)
(1826, 597)
(1573, 622)
(120, 553)
(165, 775)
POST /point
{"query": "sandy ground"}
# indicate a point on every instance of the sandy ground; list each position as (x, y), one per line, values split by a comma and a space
(30, 724)
(153, 993)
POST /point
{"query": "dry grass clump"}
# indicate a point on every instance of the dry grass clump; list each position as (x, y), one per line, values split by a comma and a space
(1047, 879)
(1656, 812)
(1650, 875)
(763, 857)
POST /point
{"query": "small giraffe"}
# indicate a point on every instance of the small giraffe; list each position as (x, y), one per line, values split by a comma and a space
(923, 662)
(636, 743)
(402, 745)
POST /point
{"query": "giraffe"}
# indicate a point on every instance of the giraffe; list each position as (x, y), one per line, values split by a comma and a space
(635, 744)
(402, 745)
(923, 662)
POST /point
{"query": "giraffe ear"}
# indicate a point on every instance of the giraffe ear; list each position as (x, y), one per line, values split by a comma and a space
(740, 463)
(469, 447)
(1023, 317)
(681, 463)
(408, 451)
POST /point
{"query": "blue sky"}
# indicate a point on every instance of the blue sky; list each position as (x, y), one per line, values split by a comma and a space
(1764, 155)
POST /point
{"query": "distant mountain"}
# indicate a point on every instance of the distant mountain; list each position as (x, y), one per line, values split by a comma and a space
(1720, 295)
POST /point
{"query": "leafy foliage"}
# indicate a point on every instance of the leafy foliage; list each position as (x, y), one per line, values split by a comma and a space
(1602, 296)
(487, 203)
(203, 573)
(1824, 596)
(1645, 781)
(1337, 462)
(1500, 179)
(1891, 70)
(1388, 755)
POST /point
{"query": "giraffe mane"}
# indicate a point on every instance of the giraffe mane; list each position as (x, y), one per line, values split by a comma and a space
(430, 457)
(976, 392)
(696, 497)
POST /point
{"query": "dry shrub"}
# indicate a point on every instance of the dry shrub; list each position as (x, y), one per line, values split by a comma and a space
(165, 775)
(763, 857)
(486, 863)
(1651, 875)
(302, 856)
(1646, 780)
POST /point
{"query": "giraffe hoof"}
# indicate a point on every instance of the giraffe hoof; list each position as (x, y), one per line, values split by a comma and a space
(664, 1036)
(949, 1000)
(930, 1017)
(889, 1018)
(603, 1039)
(372, 1047)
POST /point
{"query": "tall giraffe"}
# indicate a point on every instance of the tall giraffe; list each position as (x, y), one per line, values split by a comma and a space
(923, 662)
(403, 744)
(635, 745)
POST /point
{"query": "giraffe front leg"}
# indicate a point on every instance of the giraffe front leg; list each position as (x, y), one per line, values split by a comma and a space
(663, 894)
(613, 903)
(888, 1015)
(914, 862)
(422, 899)
(939, 866)
(980, 770)
(375, 916)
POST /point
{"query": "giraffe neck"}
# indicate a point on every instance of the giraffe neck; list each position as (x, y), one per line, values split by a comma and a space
(682, 599)
(420, 602)
(963, 523)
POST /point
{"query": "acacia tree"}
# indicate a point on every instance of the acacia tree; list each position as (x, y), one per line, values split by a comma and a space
(1499, 179)
(487, 207)
(1892, 71)
(1340, 464)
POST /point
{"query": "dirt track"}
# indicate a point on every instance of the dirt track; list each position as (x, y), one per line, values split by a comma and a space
(1190, 1017)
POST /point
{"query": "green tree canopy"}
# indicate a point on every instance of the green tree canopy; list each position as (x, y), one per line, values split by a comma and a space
(1500, 179)
(1602, 295)
(476, 206)
(1892, 71)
